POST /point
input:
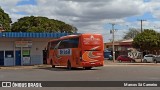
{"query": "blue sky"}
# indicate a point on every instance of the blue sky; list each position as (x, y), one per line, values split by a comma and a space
(145, 16)
(90, 16)
(26, 2)
(146, 0)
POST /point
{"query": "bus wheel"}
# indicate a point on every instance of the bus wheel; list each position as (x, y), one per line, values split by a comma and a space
(53, 66)
(69, 65)
(87, 68)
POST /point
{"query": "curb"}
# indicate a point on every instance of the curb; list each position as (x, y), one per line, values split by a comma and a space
(132, 63)
(25, 67)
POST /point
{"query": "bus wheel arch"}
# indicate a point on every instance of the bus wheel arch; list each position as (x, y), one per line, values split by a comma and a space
(69, 66)
(51, 62)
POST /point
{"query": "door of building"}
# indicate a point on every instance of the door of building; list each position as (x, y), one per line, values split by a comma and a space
(44, 56)
(18, 57)
(1, 58)
(26, 57)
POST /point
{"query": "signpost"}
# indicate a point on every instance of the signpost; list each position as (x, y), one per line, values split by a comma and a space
(23, 43)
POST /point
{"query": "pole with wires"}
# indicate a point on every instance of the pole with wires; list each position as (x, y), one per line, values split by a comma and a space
(113, 37)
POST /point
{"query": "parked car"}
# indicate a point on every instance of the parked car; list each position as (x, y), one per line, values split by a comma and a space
(107, 55)
(125, 58)
(151, 58)
(156, 59)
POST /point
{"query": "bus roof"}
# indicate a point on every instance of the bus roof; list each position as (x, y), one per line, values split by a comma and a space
(68, 36)
(65, 37)
(71, 36)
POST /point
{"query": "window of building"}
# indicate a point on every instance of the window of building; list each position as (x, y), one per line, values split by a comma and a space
(9, 54)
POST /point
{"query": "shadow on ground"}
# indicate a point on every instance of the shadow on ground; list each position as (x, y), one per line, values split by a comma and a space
(65, 69)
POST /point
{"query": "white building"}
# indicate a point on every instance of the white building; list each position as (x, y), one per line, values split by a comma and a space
(21, 48)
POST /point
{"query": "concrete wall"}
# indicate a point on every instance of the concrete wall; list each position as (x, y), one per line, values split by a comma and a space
(7, 46)
(9, 62)
(36, 50)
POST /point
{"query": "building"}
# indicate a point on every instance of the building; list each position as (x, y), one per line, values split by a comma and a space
(121, 47)
(23, 48)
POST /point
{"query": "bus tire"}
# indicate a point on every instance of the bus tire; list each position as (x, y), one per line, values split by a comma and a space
(87, 68)
(69, 67)
(53, 66)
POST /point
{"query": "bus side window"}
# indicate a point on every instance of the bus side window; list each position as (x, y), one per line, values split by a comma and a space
(74, 42)
(48, 48)
(53, 44)
(69, 43)
(65, 44)
(61, 46)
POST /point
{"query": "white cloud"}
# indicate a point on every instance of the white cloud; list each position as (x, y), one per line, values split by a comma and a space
(154, 7)
(8, 5)
(87, 15)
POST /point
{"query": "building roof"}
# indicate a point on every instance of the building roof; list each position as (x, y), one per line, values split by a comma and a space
(31, 35)
(121, 42)
(128, 40)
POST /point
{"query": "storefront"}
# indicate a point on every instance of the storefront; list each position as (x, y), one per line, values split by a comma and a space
(17, 48)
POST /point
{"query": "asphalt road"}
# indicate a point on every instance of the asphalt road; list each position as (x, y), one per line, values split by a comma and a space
(106, 73)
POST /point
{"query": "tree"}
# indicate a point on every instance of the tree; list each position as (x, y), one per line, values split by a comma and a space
(131, 33)
(40, 24)
(147, 40)
(5, 20)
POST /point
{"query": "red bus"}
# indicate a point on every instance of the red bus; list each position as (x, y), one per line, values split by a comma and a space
(84, 50)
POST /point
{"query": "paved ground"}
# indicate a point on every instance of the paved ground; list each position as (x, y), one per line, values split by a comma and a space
(110, 72)
(107, 62)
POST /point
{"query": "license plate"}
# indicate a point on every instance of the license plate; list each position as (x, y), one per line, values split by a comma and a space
(92, 63)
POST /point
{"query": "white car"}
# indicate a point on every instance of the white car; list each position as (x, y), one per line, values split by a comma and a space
(149, 58)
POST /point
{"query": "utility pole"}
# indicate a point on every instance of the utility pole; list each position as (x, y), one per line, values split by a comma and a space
(141, 31)
(113, 52)
(141, 24)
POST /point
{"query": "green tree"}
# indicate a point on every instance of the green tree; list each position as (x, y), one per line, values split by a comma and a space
(131, 33)
(5, 20)
(147, 40)
(40, 24)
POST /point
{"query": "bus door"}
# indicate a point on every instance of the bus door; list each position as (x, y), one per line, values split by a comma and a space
(57, 57)
(63, 52)
(53, 52)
